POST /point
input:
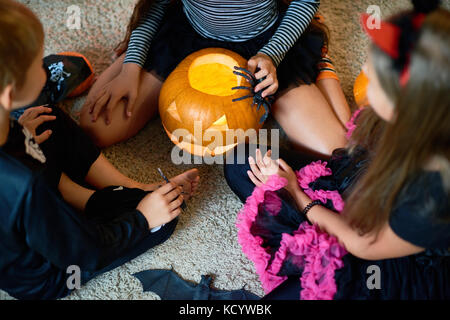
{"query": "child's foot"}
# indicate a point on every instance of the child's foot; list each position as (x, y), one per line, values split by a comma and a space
(188, 181)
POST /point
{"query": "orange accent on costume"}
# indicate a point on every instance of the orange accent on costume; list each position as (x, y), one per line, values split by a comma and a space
(88, 82)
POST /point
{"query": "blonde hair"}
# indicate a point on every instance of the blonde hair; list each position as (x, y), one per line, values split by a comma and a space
(21, 39)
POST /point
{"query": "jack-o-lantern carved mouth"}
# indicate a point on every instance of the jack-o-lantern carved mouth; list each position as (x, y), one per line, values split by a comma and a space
(213, 74)
(220, 125)
(194, 144)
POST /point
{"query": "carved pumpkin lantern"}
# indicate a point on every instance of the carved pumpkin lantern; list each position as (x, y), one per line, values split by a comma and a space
(360, 89)
(205, 97)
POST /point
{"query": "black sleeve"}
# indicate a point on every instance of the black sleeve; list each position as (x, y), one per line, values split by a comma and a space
(65, 237)
(419, 216)
(69, 149)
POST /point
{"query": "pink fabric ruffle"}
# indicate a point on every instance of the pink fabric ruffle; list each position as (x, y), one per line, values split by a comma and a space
(311, 173)
(272, 204)
(351, 124)
(318, 253)
(322, 255)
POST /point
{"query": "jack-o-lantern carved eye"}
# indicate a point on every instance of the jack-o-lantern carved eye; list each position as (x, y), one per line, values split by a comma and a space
(172, 110)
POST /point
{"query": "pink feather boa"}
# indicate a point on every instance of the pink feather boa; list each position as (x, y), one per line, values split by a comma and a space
(351, 125)
(321, 253)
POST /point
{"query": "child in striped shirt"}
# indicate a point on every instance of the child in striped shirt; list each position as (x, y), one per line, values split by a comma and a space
(282, 41)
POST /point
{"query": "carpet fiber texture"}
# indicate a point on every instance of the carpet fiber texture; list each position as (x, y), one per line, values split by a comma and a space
(205, 241)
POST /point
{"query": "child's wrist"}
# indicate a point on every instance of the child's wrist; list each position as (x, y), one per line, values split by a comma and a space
(302, 199)
(293, 188)
(131, 70)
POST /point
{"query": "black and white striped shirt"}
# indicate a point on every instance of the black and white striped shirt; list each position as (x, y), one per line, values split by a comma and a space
(229, 20)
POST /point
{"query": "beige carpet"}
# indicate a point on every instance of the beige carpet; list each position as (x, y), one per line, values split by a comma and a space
(205, 240)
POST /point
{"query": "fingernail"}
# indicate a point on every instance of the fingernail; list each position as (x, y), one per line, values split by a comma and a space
(129, 114)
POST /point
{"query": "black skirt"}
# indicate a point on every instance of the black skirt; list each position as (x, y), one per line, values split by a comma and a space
(176, 39)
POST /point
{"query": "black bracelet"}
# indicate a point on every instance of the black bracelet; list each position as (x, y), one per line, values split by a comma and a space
(309, 206)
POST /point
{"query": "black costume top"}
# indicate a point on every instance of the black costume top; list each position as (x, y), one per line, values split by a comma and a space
(41, 234)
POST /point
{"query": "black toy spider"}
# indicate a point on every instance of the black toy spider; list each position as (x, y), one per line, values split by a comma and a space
(257, 96)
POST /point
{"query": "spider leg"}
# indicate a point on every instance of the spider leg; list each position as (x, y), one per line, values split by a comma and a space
(252, 83)
(242, 87)
(264, 118)
(245, 71)
(258, 100)
(266, 114)
(253, 80)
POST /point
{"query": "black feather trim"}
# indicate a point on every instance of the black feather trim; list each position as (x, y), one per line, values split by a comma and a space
(425, 6)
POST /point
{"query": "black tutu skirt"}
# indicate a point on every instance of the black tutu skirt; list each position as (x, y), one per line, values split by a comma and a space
(176, 39)
(295, 260)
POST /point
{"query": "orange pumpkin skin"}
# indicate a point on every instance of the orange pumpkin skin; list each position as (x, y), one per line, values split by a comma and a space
(360, 89)
(181, 105)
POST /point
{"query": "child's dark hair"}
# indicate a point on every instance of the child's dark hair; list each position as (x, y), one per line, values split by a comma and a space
(21, 39)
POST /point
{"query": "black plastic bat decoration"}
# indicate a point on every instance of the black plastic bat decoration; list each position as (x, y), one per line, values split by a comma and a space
(258, 100)
(169, 286)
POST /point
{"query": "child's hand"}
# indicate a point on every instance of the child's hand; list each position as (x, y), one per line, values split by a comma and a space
(31, 119)
(263, 168)
(123, 87)
(162, 206)
(266, 69)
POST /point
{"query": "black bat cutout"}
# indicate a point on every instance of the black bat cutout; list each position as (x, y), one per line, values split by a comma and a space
(169, 286)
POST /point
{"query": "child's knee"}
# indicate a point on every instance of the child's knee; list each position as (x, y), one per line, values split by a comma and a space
(232, 170)
(235, 173)
(96, 131)
(332, 142)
